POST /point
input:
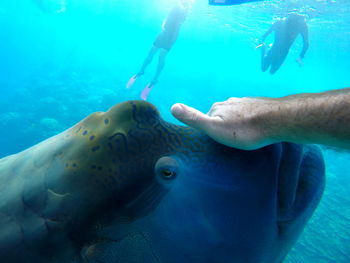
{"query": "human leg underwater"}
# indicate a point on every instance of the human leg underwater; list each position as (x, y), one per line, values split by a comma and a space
(145, 64)
(161, 62)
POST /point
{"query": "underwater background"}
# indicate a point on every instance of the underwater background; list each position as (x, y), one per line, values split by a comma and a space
(61, 60)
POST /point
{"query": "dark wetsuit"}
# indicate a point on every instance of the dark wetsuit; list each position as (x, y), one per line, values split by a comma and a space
(286, 31)
(171, 28)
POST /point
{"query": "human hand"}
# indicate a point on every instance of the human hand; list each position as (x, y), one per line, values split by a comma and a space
(259, 43)
(237, 122)
(299, 60)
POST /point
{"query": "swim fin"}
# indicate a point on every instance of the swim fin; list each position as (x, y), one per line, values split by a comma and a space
(146, 91)
(132, 81)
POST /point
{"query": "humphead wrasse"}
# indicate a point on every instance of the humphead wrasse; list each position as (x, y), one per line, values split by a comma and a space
(125, 186)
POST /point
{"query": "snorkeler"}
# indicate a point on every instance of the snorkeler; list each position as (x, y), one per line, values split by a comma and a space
(286, 31)
(163, 44)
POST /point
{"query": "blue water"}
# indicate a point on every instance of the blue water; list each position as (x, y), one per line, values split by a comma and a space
(58, 67)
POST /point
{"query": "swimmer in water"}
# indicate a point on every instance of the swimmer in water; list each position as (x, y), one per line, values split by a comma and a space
(286, 31)
(163, 44)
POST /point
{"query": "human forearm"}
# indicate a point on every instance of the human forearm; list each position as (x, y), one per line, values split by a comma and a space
(251, 123)
(305, 35)
(303, 51)
(268, 32)
(264, 36)
(311, 118)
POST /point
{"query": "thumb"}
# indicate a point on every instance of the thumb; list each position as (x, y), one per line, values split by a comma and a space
(190, 116)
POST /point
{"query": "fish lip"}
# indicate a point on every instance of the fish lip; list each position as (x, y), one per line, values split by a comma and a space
(288, 176)
(300, 182)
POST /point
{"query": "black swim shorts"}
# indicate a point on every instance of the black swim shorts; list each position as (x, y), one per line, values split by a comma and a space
(165, 40)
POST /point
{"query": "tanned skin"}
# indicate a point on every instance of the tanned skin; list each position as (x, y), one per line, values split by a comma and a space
(251, 123)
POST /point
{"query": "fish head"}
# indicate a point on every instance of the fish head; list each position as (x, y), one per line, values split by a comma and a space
(217, 204)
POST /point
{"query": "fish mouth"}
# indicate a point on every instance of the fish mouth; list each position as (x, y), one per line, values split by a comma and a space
(300, 182)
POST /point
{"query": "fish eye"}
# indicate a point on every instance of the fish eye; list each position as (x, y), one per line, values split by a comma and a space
(166, 168)
(168, 173)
